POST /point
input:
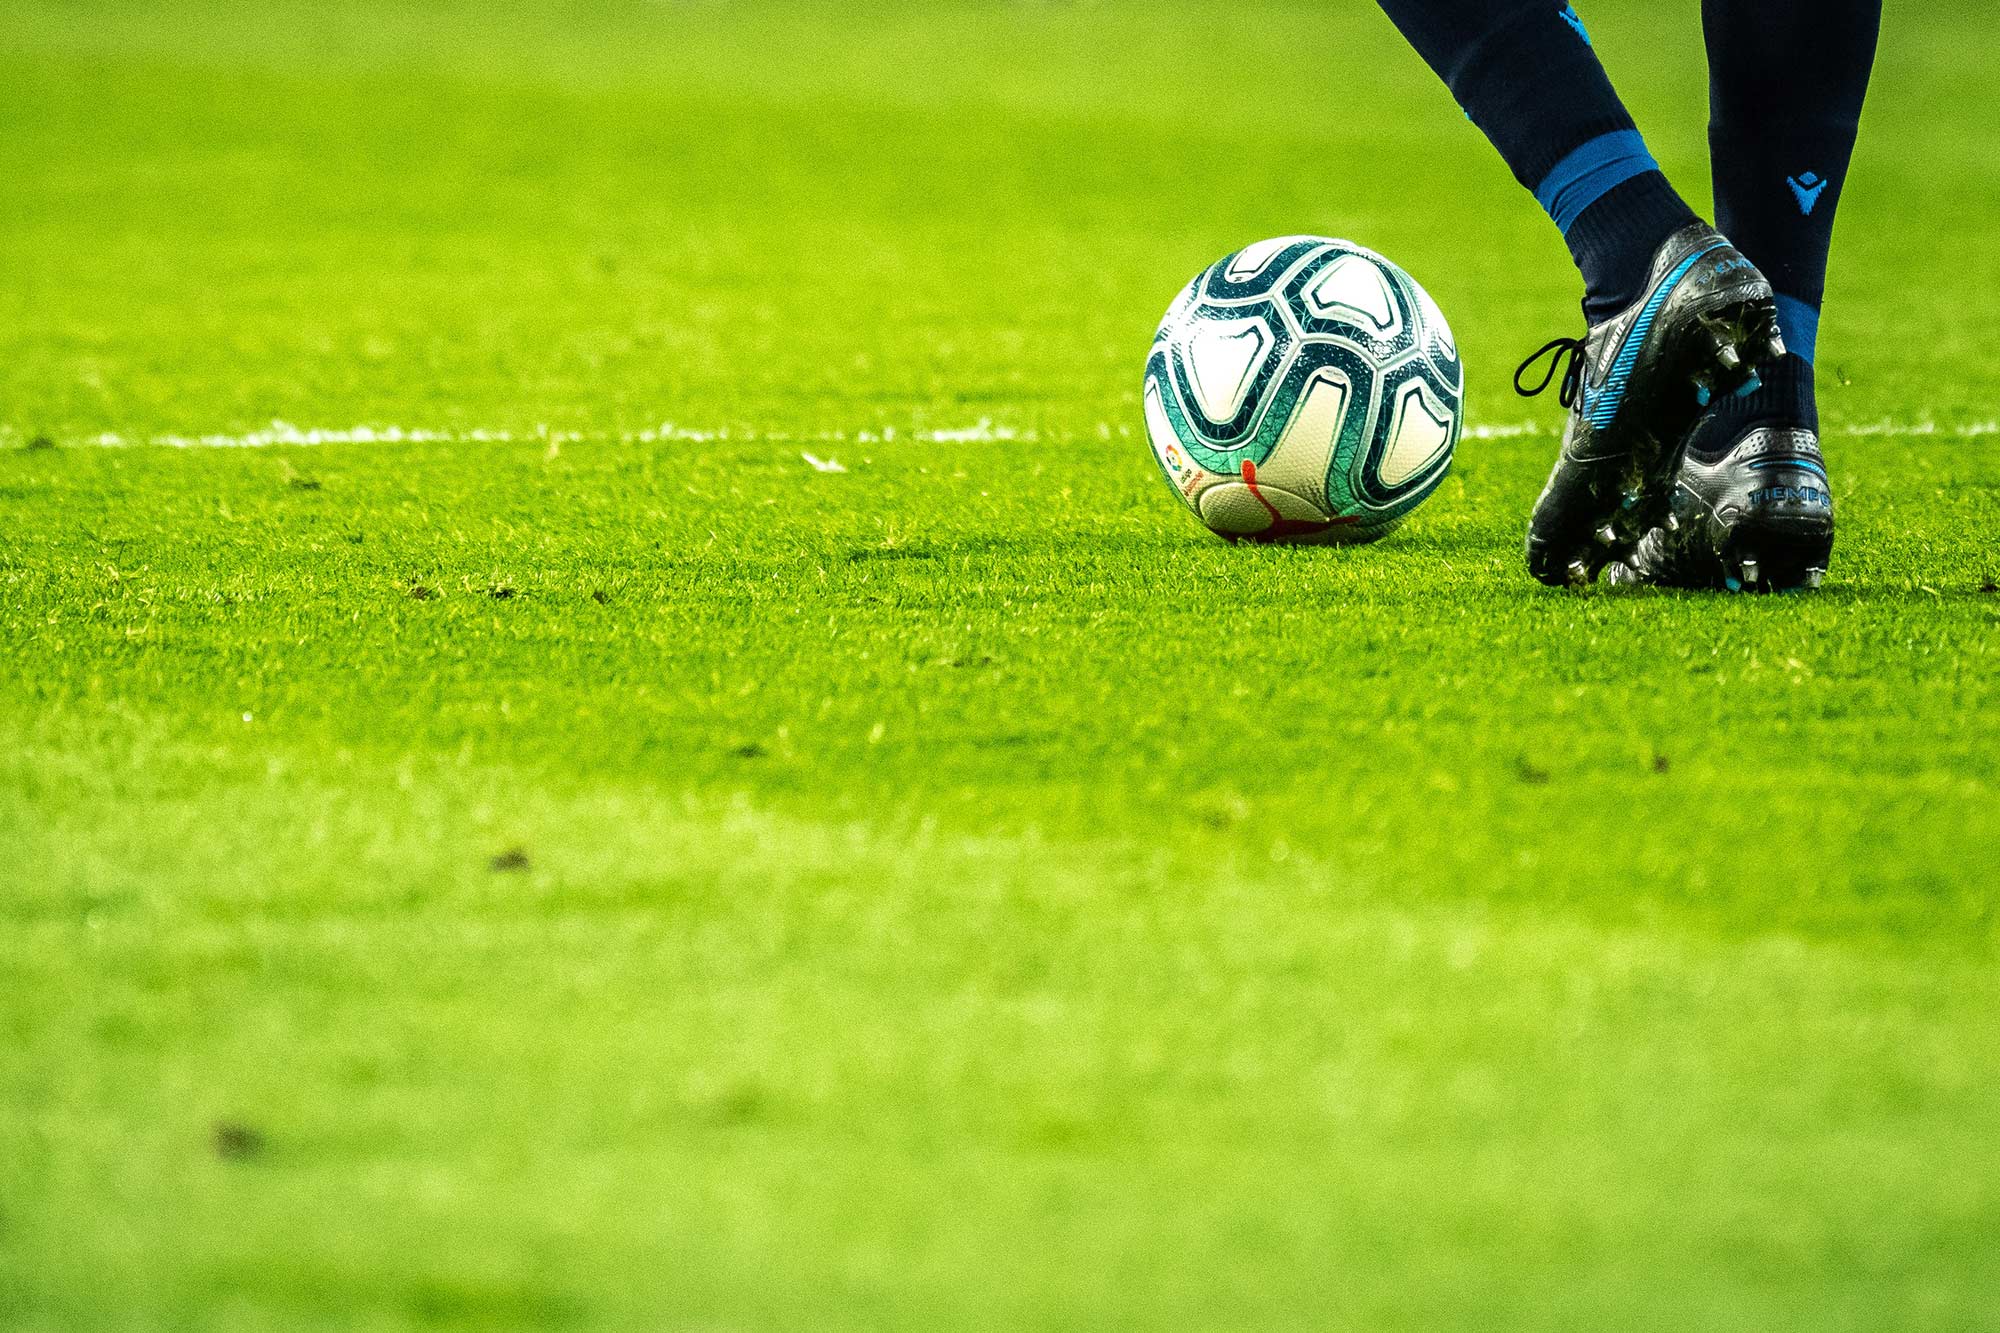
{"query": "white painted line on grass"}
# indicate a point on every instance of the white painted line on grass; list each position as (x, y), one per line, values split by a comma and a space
(278, 433)
(984, 431)
(1494, 432)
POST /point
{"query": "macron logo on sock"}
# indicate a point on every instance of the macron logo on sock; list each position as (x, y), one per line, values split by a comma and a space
(1806, 189)
(1575, 20)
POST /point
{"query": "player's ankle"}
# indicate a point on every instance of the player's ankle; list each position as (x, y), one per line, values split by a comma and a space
(1614, 240)
(1783, 397)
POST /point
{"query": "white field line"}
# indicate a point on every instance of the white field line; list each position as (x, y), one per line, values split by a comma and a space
(984, 431)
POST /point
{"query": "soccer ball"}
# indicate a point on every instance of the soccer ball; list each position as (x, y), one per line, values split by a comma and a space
(1304, 390)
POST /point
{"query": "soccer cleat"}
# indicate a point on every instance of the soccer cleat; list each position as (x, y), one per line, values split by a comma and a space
(1758, 518)
(1634, 385)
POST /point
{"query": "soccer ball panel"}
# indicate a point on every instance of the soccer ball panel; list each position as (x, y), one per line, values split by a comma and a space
(1349, 286)
(1256, 270)
(1177, 311)
(1186, 476)
(1440, 346)
(1222, 358)
(1412, 442)
(1351, 295)
(1224, 361)
(1304, 453)
(1249, 508)
(1419, 433)
(1434, 321)
(1303, 389)
(1252, 260)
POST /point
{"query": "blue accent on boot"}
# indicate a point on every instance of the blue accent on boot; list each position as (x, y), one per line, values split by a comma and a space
(1582, 178)
(1794, 460)
(1601, 407)
(1799, 323)
(1575, 20)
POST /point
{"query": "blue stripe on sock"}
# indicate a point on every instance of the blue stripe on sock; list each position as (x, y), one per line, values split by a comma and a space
(1799, 323)
(1580, 180)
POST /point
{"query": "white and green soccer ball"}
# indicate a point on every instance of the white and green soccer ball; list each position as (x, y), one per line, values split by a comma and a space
(1303, 389)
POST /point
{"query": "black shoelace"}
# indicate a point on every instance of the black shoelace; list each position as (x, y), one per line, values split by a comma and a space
(1565, 357)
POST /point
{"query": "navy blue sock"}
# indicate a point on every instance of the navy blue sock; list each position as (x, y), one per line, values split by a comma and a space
(1526, 74)
(1786, 83)
(1613, 239)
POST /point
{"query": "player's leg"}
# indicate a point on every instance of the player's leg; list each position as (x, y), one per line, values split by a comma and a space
(1525, 73)
(1786, 83)
(1675, 313)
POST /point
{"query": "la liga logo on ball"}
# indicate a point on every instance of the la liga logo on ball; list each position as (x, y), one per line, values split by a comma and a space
(1303, 389)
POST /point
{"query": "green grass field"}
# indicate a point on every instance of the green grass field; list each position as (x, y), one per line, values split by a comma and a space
(580, 865)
